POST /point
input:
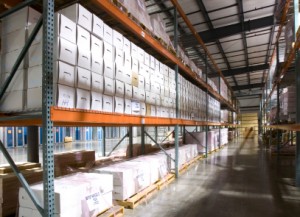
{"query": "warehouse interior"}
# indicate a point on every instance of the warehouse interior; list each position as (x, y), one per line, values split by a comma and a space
(149, 108)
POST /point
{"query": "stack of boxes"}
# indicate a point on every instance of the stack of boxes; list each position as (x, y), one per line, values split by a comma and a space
(134, 175)
(287, 101)
(16, 29)
(224, 115)
(80, 194)
(96, 68)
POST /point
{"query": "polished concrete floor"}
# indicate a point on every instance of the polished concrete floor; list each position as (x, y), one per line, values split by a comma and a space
(240, 180)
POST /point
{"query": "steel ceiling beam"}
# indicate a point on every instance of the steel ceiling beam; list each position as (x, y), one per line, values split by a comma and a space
(248, 86)
(225, 31)
(239, 71)
(211, 28)
(241, 16)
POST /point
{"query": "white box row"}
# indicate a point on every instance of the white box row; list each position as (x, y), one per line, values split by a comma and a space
(80, 194)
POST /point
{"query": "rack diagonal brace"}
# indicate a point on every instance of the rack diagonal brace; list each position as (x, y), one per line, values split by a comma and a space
(195, 138)
(156, 143)
(114, 148)
(21, 178)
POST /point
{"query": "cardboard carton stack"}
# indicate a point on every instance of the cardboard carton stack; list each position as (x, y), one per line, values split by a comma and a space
(132, 176)
(287, 101)
(74, 161)
(9, 187)
(80, 194)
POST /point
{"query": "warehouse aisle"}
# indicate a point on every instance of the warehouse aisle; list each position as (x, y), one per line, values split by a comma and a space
(236, 181)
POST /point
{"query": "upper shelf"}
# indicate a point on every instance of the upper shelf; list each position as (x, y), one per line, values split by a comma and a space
(290, 127)
(75, 117)
(167, 56)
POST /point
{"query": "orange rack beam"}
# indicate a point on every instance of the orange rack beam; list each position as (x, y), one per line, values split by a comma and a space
(290, 127)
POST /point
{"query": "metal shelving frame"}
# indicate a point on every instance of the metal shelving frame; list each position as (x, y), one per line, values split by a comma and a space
(54, 116)
(293, 55)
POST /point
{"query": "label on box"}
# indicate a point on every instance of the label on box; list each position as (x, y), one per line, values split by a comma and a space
(93, 200)
(135, 106)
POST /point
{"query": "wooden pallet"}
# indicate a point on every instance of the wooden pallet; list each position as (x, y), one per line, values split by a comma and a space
(115, 211)
(165, 181)
(138, 198)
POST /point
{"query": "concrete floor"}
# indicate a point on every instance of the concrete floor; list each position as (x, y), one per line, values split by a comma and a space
(240, 180)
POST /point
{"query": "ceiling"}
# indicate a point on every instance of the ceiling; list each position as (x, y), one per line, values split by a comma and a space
(239, 34)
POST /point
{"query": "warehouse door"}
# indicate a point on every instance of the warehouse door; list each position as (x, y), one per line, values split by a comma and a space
(248, 127)
(9, 137)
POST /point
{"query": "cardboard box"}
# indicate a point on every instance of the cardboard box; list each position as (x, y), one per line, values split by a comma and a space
(119, 57)
(127, 60)
(13, 41)
(126, 46)
(107, 34)
(109, 88)
(119, 105)
(134, 65)
(84, 193)
(97, 26)
(127, 104)
(66, 51)
(8, 60)
(141, 84)
(83, 38)
(108, 52)
(22, 18)
(135, 107)
(108, 69)
(65, 96)
(35, 77)
(128, 91)
(96, 47)
(120, 88)
(143, 109)
(107, 103)
(118, 40)
(96, 101)
(135, 79)
(134, 50)
(97, 64)
(65, 28)
(64, 74)
(84, 58)
(9, 102)
(135, 93)
(83, 99)
(97, 83)
(34, 98)
(79, 15)
(83, 78)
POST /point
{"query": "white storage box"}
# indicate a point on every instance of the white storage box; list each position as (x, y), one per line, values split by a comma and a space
(96, 101)
(79, 15)
(107, 103)
(65, 96)
(83, 78)
(119, 105)
(83, 99)
(86, 194)
(97, 82)
(97, 26)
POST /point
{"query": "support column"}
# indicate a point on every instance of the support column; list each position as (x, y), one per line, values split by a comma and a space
(297, 56)
(33, 144)
(206, 116)
(47, 102)
(104, 142)
(177, 97)
(143, 139)
(130, 141)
